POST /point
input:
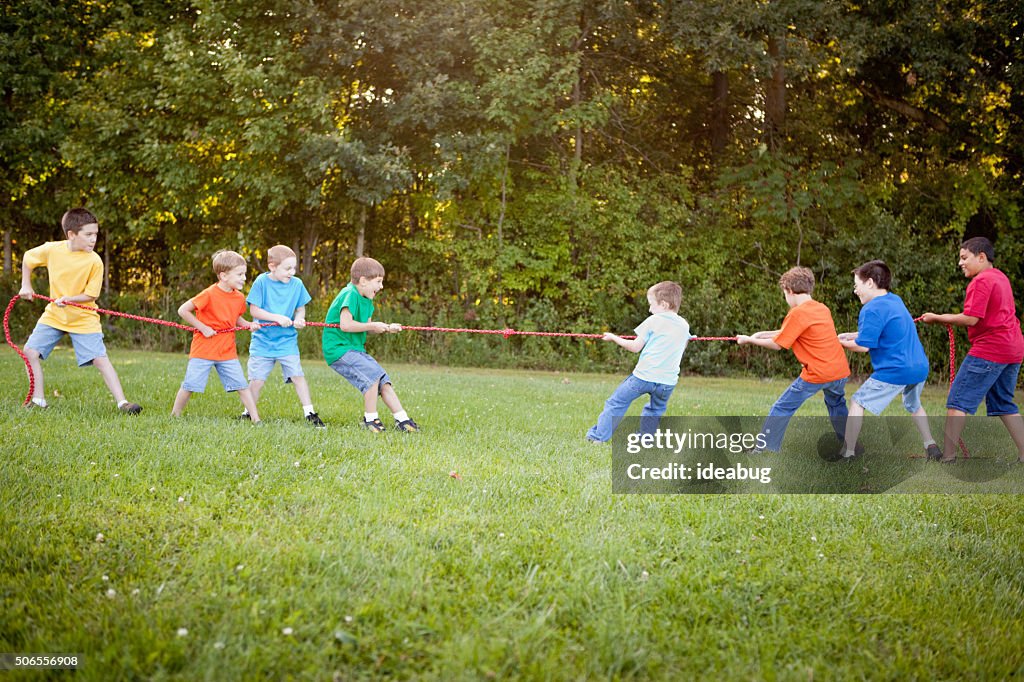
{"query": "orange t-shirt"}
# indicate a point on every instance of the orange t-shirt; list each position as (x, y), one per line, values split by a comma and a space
(220, 310)
(809, 330)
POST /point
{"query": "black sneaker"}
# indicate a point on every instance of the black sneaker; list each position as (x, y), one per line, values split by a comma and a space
(314, 419)
(244, 417)
(376, 426)
(407, 426)
(933, 453)
(130, 408)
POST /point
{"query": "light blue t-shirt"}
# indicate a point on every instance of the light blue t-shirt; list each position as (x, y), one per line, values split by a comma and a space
(887, 330)
(279, 298)
(665, 337)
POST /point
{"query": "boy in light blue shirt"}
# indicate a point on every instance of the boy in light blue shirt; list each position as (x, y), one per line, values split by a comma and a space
(661, 340)
(279, 296)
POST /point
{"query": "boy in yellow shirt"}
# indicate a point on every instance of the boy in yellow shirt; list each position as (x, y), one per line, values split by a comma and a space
(76, 276)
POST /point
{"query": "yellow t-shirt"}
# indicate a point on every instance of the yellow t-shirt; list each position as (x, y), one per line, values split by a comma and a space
(71, 273)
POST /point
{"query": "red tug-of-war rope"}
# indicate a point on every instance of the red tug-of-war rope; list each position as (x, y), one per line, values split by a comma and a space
(506, 333)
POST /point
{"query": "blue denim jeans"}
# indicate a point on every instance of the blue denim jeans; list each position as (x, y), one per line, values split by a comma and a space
(796, 395)
(616, 406)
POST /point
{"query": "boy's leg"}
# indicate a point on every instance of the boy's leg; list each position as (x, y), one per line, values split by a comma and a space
(90, 350)
(38, 392)
(38, 347)
(650, 415)
(912, 403)
(232, 378)
(390, 398)
(835, 402)
(302, 390)
(180, 401)
(615, 408)
(852, 431)
(250, 405)
(197, 371)
(999, 401)
(774, 427)
(1015, 425)
(110, 378)
(370, 398)
(255, 388)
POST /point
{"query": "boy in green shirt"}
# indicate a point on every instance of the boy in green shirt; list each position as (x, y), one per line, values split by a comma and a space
(345, 346)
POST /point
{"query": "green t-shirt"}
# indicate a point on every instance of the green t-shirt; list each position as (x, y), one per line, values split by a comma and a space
(337, 342)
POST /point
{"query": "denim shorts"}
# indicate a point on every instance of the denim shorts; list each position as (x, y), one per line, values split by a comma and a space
(87, 347)
(229, 371)
(874, 395)
(361, 370)
(983, 379)
(260, 367)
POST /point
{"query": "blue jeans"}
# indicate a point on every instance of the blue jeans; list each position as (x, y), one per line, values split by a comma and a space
(796, 395)
(616, 406)
(980, 379)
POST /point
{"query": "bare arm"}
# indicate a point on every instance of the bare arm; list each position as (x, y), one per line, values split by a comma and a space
(187, 312)
(632, 345)
(757, 340)
(259, 313)
(955, 319)
(26, 281)
(849, 342)
(300, 317)
(348, 324)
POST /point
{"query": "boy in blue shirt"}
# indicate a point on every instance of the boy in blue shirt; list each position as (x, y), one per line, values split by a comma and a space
(279, 296)
(344, 346)
(661, 340)
(885, 330)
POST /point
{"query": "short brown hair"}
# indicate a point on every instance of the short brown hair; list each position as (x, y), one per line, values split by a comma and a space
(877, 271)
(77, 218)
(279, 254)
(798, 280)
(225, 260)
(978, 245)
(366, 267)
(669, 293)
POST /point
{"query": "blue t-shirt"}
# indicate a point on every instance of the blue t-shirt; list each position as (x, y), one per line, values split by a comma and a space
(887, 330)
(279, 298)
(665, 337)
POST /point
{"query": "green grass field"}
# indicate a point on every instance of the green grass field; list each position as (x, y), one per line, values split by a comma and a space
(232, 552)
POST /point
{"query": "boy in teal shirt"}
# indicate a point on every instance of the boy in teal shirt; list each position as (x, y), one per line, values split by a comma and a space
(661, 341)
(345, 346)
(279, 297)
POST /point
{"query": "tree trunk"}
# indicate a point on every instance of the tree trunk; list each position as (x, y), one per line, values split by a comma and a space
(310, 240)
(361, 235)
(719, 112)
(8, 255)
(775, 93)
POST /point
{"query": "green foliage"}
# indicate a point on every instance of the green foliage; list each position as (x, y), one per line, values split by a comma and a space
(534, 164)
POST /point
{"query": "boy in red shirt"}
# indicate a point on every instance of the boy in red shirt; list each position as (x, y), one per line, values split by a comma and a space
(219, 306)
(809, 331)
(990, 369)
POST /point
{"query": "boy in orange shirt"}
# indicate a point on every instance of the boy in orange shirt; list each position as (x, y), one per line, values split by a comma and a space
(809, 331)
(219, 306)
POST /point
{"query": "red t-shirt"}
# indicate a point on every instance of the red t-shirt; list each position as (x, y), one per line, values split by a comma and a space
(997, 336)
(220, 310)
(809, 330)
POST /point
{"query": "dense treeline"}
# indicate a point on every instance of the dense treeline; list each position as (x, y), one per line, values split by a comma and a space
(530, 163)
